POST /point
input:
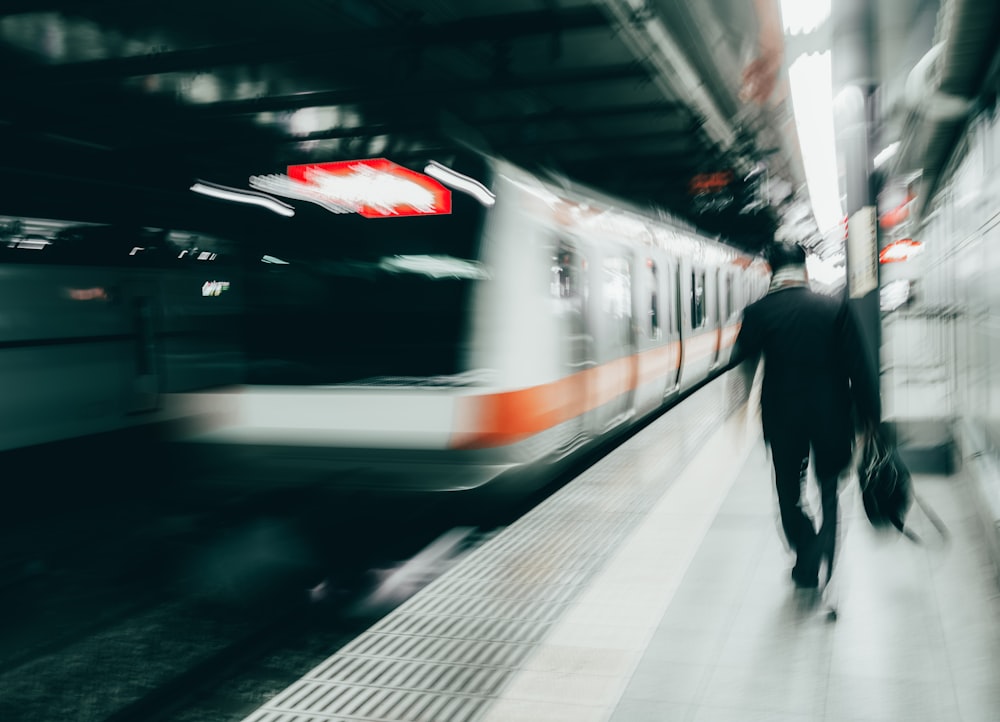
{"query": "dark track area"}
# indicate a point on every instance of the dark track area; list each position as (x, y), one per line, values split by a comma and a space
(134, 588)
(123, 573)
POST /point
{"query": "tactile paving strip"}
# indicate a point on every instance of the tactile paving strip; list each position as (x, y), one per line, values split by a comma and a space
(448, 651)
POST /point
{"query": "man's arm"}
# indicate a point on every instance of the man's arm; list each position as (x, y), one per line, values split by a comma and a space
(747, 349)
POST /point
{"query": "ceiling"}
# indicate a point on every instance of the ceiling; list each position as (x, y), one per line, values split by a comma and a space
(114, 106)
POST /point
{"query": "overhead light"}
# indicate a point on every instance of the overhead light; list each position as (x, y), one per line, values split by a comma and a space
(272, 259)
(242, 196)
(811, 81)
(460, 182)
(804, 16)
(825, 271)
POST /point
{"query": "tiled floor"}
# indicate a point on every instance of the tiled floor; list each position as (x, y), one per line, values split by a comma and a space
(655, 588)
(916, 637)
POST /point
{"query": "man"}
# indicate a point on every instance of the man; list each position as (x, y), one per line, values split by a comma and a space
(815, 370)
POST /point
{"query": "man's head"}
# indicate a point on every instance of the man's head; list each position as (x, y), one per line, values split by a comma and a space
(782, 255)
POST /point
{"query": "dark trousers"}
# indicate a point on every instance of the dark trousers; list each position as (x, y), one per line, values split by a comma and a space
(790, 457)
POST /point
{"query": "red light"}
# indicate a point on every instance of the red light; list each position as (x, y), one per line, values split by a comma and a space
(710, 182)
(375, 188)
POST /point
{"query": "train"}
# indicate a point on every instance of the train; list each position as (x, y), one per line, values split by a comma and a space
(436, 349)
(444, 351)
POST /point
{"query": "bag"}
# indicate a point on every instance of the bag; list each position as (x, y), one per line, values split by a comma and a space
(887, 488)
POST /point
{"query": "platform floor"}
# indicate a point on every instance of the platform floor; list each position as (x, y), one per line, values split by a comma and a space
(656, 587)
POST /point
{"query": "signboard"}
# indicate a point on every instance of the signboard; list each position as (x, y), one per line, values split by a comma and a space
(862, 259)
(374, 188)
(711, 182)
(900, 250)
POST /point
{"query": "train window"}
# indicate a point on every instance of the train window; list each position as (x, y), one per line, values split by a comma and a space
(654, 302)
(697, 299)
(617, 288)
(730, 305)
(565, 273)
(617, 301)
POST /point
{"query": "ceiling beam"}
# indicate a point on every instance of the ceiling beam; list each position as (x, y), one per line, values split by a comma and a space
(411, 93)
(466, 31)
(564, 114)
(604, 140)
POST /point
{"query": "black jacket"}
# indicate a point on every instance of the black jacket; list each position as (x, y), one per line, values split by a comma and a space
(817, 379)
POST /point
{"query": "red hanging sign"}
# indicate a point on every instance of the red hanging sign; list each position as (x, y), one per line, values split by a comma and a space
(900, 250)
(374, 188)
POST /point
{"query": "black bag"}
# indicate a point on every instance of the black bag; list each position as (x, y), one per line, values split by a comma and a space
(887, 488)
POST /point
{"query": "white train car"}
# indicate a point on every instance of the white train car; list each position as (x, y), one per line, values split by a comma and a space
(530, 322)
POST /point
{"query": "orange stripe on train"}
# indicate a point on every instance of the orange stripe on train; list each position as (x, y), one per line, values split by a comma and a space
(492, 420)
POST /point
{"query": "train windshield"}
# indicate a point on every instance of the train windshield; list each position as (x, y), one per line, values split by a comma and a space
(345, 299)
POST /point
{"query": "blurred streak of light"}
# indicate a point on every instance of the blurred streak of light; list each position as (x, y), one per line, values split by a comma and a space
(88, 294)
(460, 182)
(398, 584)
(804, 16)
(273, 259)
(886, 154)
(214, 288)
(894, 294)
(285, 186)
(435, 267)
(29, 244)
(311, 120)
(241, 196)
(827, 272)
(203, 89)
(810, 77)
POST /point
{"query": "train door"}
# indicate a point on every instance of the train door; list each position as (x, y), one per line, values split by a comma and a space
(652, 331)
(716, 318)
(672, 313)
(571, 288)
(140, 299)
(698, 346)
(616, 372)
(727, 317)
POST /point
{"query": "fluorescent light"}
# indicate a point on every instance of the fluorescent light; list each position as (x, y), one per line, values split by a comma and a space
(810, 78)
(804, 16)
(825, 271)
(272, 259)
(242, 196)
(460, 182)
